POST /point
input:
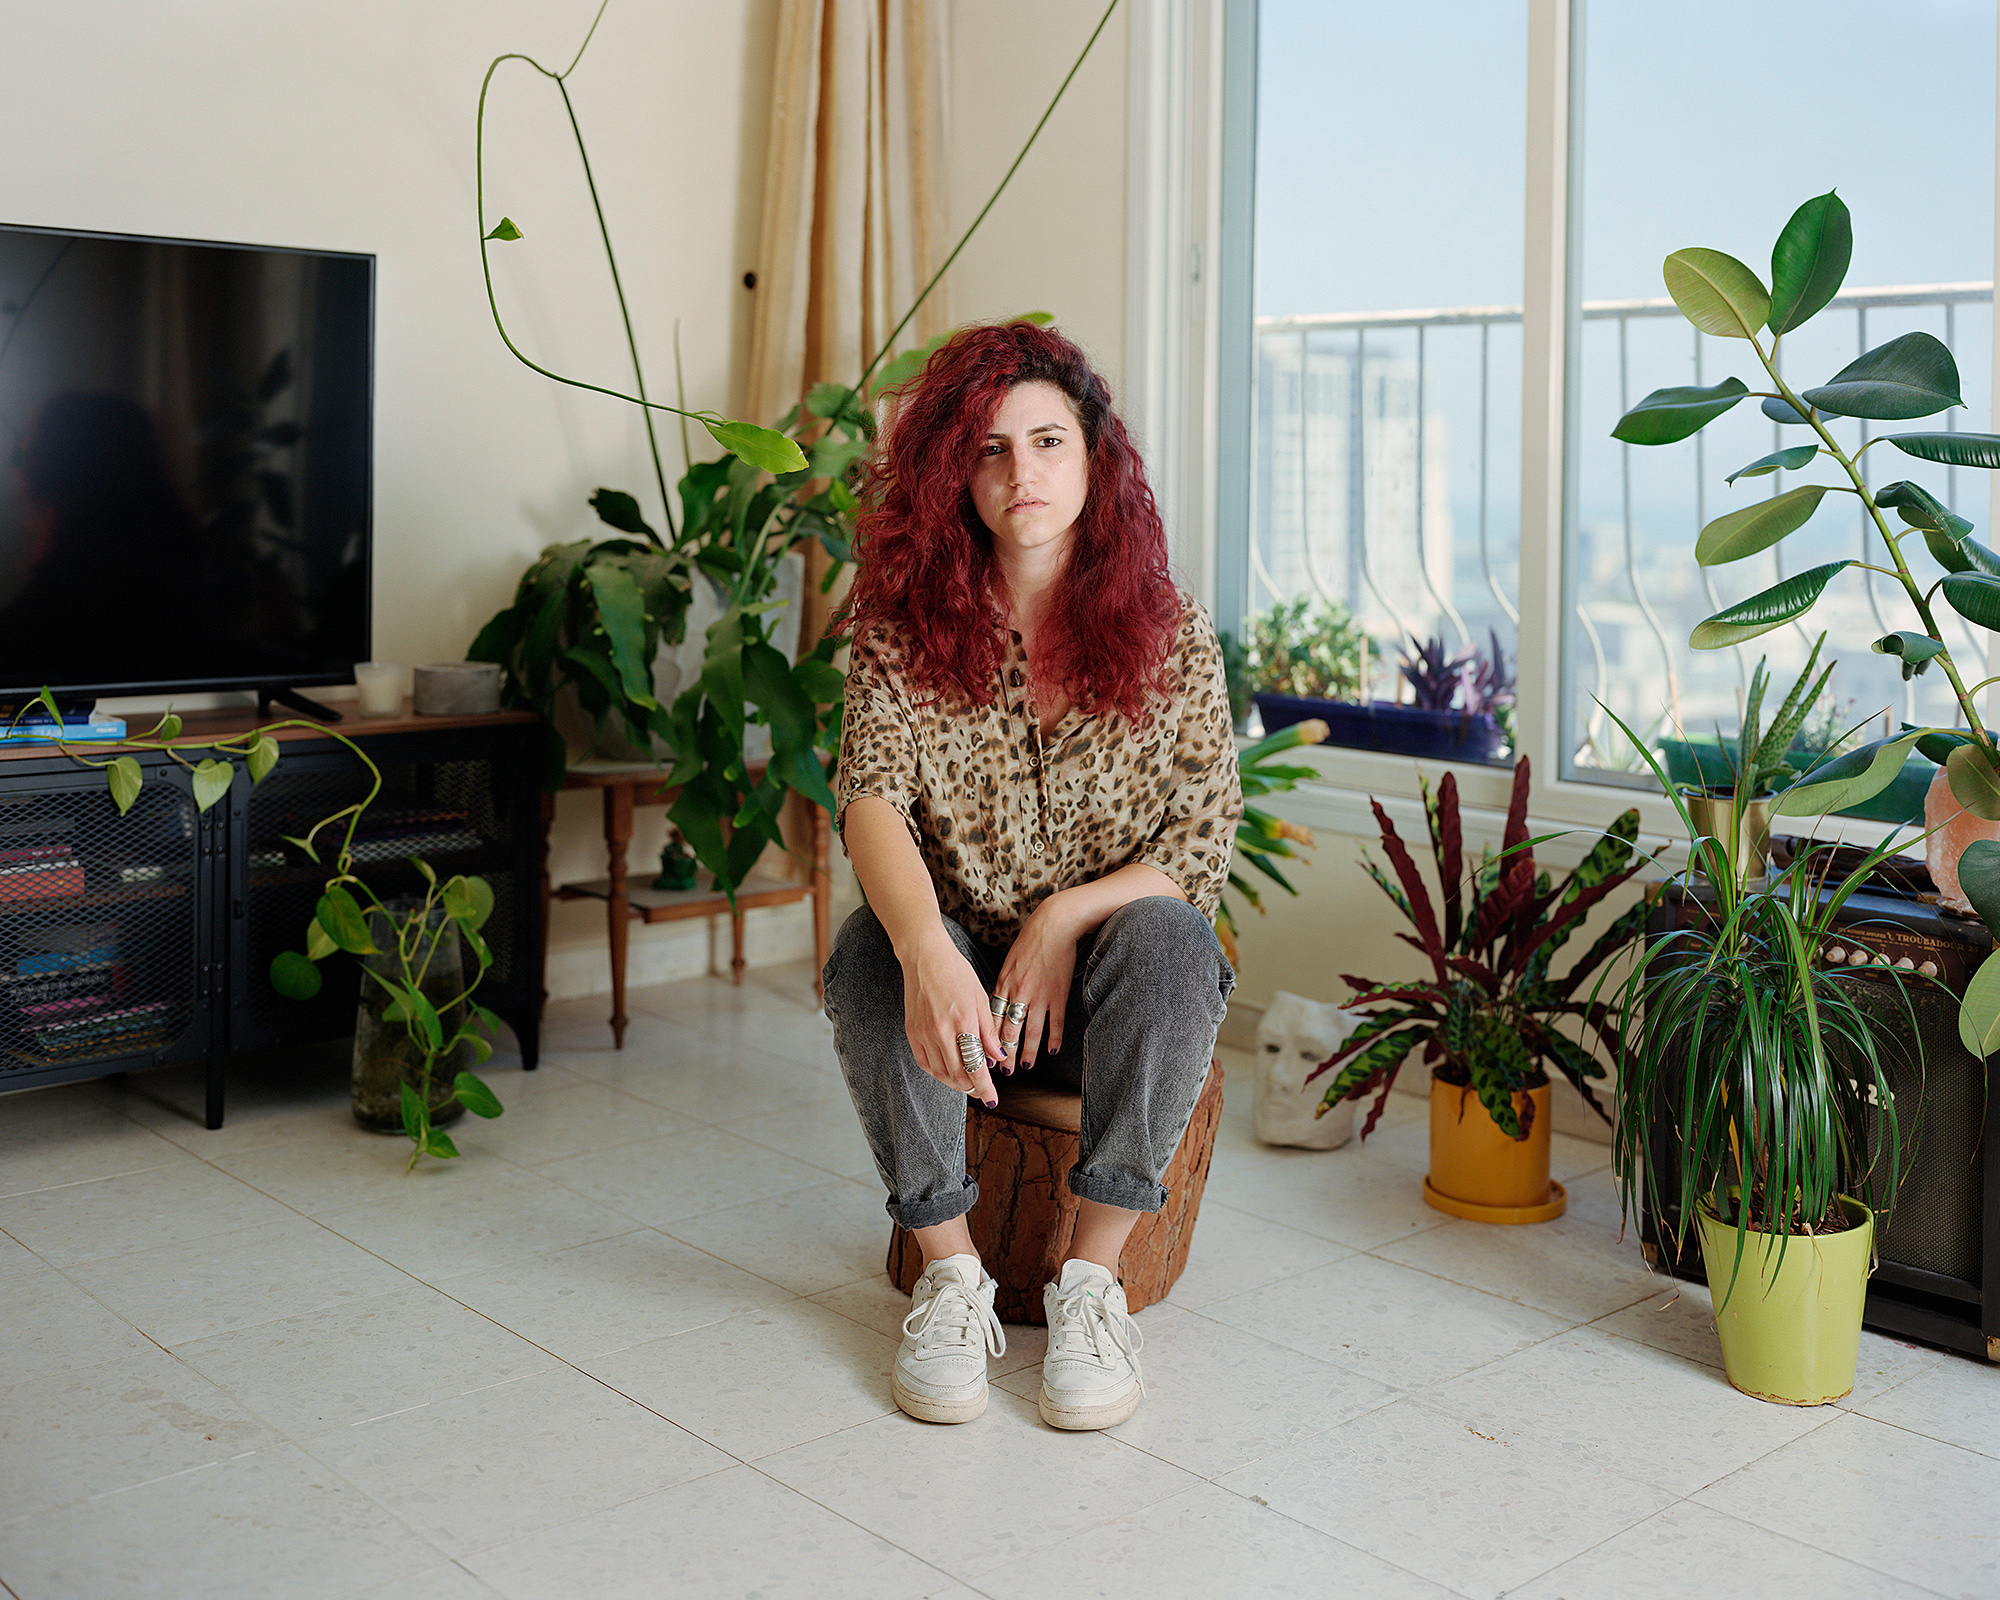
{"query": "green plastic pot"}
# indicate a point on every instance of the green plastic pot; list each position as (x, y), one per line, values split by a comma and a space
(1700, 762)
(1790, 1329)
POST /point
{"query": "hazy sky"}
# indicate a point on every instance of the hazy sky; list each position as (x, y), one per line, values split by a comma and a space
(1390, 142)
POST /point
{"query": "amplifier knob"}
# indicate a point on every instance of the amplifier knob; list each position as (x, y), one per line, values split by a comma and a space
(1907, 963)
(1929, 969)
(1836, 954)
(1857, 958)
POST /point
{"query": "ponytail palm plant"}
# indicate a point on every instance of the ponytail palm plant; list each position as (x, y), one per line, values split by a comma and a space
(1910, 377)
(1749, 1066)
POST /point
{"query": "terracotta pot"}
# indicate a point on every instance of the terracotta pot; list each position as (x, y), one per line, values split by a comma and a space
(1477, 1172)
(1947, 843)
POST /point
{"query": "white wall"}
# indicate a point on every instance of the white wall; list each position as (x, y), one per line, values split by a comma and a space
(349, 126)
(1056, 240)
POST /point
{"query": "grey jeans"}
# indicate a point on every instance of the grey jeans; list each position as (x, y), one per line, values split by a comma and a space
(1150, 988)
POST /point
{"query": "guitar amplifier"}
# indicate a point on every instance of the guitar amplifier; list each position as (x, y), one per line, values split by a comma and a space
(1937, 1276)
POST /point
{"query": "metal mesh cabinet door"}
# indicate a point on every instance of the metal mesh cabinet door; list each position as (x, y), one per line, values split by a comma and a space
(106, 958)
(461, 799)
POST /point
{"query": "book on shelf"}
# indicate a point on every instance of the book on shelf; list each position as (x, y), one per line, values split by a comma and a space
(49, 879)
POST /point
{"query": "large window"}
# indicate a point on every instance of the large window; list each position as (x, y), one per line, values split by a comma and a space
(1684, 143)
(1430, 419)
(1387, 366)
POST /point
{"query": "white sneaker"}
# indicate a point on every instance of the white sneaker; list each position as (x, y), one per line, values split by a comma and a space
(940, 1371)
(1090, 1375)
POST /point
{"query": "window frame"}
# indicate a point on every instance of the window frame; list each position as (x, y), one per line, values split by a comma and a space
(1209, 111)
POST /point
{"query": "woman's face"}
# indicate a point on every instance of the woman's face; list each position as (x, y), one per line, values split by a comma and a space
(1032, 475)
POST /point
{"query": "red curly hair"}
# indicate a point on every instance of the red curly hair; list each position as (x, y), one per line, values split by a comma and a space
(926, 559)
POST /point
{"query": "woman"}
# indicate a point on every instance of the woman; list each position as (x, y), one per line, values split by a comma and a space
(1038, 792)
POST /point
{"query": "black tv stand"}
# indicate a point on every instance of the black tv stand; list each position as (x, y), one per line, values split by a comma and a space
(292, 700)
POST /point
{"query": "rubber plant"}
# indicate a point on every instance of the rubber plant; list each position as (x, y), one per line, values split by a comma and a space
(341, 919)
(592, 614)
(1910, 377)
(1489, 1017)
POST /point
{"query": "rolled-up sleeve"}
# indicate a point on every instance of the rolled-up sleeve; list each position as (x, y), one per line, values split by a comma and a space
(1193, 841)
(878, 749)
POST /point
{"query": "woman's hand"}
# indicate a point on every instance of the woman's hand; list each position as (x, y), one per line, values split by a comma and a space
(1037, 972)
(942, 998)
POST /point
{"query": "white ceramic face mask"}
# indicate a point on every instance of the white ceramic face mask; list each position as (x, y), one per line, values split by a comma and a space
(1295, 1036)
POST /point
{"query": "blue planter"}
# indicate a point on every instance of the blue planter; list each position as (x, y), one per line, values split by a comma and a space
(1392, 729)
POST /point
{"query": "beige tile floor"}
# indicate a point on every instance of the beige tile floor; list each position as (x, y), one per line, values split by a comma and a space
(636, 1343)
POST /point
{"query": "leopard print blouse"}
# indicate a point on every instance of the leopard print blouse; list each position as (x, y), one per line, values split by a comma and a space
(1004, 818)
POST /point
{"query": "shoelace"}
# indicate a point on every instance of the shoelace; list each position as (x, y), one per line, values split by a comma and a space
(955, 1312)
(1084, 1314)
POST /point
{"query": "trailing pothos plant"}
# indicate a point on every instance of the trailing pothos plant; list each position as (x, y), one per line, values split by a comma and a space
(1490, 1017)
(1260, 836)
(1909, 377)
(591, 615)
(340, 921)
(349, 917)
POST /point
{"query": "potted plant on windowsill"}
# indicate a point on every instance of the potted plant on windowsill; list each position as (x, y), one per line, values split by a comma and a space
(1490, 1018)
(1739, 808)
(1307, 663)
(1755, 1064)
(1304, 663)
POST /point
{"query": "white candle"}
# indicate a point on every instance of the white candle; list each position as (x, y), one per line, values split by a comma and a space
(381, 686)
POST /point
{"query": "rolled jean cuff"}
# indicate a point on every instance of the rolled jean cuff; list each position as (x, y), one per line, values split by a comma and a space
(940, 1208)
(1128, 1194)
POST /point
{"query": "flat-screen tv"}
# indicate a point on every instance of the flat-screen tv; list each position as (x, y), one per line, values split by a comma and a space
(187, 430)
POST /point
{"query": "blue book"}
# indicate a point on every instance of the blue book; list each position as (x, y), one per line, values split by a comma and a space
(97, 730)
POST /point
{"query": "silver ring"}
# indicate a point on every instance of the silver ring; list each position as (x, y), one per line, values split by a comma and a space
(1017, 1010)
(997, 1006)
(970, 1053)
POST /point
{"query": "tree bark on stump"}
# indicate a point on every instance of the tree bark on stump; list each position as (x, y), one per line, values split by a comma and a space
(1021, 1155)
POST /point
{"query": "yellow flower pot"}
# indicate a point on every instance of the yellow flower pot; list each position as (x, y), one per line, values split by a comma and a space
(1790, 1329)
(1477, 1172)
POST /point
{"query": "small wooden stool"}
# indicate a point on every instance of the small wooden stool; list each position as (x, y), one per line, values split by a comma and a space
(1021, 1227)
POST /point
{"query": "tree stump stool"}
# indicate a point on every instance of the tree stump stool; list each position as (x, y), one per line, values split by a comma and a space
(1021, 1227)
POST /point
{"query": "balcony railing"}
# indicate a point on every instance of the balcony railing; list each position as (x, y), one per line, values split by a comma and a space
(1283, 340)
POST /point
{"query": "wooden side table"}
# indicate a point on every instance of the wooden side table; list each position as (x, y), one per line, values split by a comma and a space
(624, 785)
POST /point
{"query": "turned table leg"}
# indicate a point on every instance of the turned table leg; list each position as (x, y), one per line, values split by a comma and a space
(822, 900)
(617, 903)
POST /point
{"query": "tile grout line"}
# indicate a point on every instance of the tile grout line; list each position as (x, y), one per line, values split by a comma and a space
(1349, 1544)
(951, 1576)
(1803, 1544)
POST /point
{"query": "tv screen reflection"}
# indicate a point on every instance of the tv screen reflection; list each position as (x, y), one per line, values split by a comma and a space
(187, 500)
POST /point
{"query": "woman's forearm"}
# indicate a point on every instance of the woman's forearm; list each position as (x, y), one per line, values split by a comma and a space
(892, 874)
(1089, 906)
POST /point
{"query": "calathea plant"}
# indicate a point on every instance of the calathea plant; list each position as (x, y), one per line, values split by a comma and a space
(1489, 1017)
(1909, 377)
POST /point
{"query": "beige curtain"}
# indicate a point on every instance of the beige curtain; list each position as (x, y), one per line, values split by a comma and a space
(854, 196)
(853, 224)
